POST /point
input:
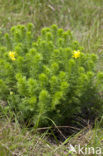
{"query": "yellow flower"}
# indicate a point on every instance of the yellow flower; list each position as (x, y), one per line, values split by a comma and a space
(76, 54)
(11, 93)
(12, 55)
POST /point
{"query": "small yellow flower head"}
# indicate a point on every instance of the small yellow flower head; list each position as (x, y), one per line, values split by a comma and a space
(11, 93)
(12, 55)
(76, 54)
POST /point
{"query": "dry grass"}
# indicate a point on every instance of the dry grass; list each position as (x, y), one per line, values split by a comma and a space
(18, 141)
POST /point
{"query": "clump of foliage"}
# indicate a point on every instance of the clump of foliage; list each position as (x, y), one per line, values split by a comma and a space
(47, 79)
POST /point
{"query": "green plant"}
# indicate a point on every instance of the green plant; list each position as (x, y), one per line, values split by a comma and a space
(50, 78)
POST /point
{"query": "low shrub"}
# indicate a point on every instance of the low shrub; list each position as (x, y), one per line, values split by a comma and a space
(49, 78)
